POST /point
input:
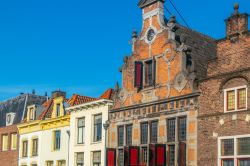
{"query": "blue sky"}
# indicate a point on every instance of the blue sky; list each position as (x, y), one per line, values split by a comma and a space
(78, 45)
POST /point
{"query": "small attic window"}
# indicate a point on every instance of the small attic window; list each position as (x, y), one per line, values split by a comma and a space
(10, 118)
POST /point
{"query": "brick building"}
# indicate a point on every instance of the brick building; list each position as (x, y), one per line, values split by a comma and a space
(12, 112)
(224, 104)
(154, 119)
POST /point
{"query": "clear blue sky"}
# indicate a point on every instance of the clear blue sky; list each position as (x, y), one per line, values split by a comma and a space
(78, 45)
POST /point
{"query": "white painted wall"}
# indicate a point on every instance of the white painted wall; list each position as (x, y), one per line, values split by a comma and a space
(89, 146)
(45, 144)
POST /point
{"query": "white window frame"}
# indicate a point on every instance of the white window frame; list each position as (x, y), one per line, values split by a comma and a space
(235, 157)
(235, 89)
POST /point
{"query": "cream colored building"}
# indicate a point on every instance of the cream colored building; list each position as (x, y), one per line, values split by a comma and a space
(87, 143)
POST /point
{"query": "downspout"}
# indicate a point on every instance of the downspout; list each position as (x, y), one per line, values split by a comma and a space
(25, 105)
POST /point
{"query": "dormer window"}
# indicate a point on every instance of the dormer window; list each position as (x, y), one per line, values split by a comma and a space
(235, 99)
(32, 114)
(10, 118)
(58, 110)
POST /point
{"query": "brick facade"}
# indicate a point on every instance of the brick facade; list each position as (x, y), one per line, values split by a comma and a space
(230, 69)
(8, 157)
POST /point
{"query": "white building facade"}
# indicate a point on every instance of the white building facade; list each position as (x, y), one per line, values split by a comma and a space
(88, 135)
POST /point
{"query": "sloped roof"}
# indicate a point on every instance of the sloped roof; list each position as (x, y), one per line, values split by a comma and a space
(107, 94)
(144, 3)
(77, 99)
(18, 105)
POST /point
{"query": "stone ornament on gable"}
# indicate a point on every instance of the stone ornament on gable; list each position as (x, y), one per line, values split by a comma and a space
(180, 82)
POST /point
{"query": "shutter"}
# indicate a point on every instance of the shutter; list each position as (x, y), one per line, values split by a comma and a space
(138, 74)
(182, 154)
(111, 157)
(154, 72)
(152, 155)
(126, 156)
(134, 156)
(160, 155)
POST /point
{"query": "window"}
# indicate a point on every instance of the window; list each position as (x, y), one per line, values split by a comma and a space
(153, 132)
(33, 164)
(235, 99)
(144, 155)
(144, 133)
(32, 114)
(79, 159)
(25, 149)
(49, 163)
(97, 158)
(35, 147)
(61, 163)
(171, 149)
(129, 129)
(97, 128)
(80, 130)
(57, 140)
(58, 110)
(138, 74)
(120, 136)
(5, 142)
(149, 73)
(120, 157)
(171, 130)
(13, 141)
(182, 128)
(234, 151)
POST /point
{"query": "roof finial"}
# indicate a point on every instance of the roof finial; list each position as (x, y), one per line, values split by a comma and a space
(236, 8)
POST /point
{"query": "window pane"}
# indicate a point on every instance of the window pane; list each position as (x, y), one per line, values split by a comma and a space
(120, 135)
(242, 98)
(244, 146)
(149, 73)
(244, 162)
(129, 134)
(144, 158)
(13, 141)
(97, 128)
(227, 147)
(171, 155)
(58, 110)
(80, 158)
(96, 157)
(25, 149)
(144, 133)
(231, 100)
(154, 132)
(121, 158)
(182, 129)
(34, 147)
(81, 130)
(49, 163)
(5, 142)
(171, 130)
(57, 141)
(228, 162)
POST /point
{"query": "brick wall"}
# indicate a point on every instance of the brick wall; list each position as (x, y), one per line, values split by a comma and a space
(9, 157)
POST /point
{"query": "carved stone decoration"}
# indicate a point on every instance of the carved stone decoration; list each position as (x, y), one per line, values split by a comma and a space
(123, 95)
(149, 96)
(180, 82)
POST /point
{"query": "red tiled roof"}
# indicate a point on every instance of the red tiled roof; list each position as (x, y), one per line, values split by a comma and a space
(77, 99)
(48, 107)
(107, 94)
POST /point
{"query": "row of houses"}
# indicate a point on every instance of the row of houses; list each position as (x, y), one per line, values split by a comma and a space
(184, 101)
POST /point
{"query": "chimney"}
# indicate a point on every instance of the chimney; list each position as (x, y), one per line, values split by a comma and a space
(236, 24)
(58, 93)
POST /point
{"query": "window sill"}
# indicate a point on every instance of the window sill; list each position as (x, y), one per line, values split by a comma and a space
(98, 142)
(238, 110)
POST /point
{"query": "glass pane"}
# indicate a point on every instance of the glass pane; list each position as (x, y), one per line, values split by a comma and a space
(154, 132)
(144, 133)
(144, 158)
(228, 162)
(81, 122)
(120, 157)
(171, 155)
(80, 158)
(230, 100)
(96, 157)
(182, 129)
(227, 147)
(120, 135)
(244, 162)
(244, 146)
(242, 98)
(129, 135)
(171, 130)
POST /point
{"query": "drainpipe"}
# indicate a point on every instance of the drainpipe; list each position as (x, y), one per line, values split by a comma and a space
(68, 132)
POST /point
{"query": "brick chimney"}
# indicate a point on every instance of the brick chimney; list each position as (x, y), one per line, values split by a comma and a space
(58, 93)
(237, 23)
